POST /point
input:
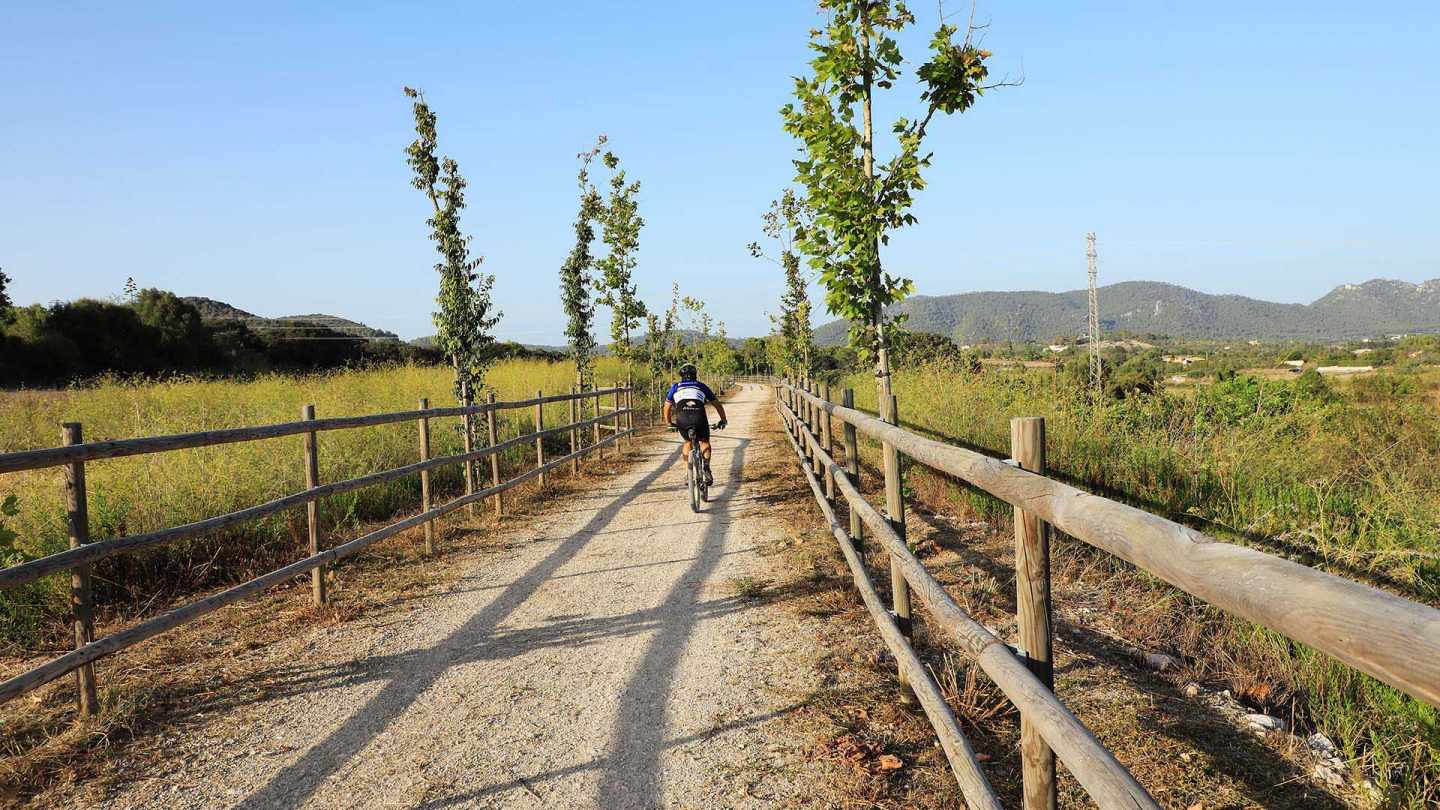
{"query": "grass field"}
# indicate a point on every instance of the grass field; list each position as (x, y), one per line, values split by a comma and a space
(142, 493)
(1343, 478)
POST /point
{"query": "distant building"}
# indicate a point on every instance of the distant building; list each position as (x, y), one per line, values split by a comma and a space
(1182, 359)
(1295, 363)
(1342, 370)
(1056, 348)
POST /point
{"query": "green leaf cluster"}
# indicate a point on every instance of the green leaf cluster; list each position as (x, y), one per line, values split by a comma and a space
(7, 307)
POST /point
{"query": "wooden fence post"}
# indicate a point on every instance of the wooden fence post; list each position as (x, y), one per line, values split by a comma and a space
(467, 422)
(493, 434)
(425, 502)
(599, 451)
(574, 432)
(312, 509)
(630, 405)
(815, 427)
(540, 440)
(799, 405)
(895, 511)
(82, 607)
(827, 440)
(852, 465)
(1032, 599)
(806, 419)
(616, 431)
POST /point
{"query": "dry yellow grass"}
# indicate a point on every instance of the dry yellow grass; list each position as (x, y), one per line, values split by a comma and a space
(144, 493)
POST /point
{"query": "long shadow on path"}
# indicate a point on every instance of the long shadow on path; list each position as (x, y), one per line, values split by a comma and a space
(300, 780)
(632, 766)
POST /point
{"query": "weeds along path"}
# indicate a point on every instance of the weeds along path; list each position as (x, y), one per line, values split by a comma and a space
(613, 657)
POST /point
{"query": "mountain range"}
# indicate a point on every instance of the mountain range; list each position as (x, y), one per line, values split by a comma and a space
(1374, 308)
(688, 337)
(212, 310)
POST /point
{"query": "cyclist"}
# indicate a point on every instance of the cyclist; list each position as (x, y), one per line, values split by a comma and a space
(686, 403)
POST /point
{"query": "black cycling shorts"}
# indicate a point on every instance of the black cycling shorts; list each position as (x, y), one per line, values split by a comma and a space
(688, 418)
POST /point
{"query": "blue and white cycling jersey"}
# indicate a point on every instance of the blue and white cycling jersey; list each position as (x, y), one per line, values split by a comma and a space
(690, 394)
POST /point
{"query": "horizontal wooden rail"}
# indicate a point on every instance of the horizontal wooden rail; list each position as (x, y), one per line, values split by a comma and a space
(99, 550)
(131, 636)
(1389, 637)
(116, 448)
(1094, 767)
(961, 756)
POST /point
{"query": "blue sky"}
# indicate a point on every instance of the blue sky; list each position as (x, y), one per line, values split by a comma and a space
(253, 153)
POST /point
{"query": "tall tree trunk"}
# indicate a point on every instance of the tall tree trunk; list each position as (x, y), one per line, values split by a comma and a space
(877, 312)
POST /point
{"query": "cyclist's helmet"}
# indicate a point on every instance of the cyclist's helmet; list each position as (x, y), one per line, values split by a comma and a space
(688, 372)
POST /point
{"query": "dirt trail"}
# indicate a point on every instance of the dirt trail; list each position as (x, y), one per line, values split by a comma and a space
(606, 659)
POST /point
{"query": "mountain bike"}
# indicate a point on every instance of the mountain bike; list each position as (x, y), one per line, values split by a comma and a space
(695, 471)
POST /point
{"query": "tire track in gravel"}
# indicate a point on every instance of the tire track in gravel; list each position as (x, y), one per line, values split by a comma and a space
(603, 661)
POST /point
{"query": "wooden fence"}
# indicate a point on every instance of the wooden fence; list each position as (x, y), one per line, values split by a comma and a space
(614, 410)
(1393, 639)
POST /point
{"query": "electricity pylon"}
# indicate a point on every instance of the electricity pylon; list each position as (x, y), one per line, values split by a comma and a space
(1094, 317)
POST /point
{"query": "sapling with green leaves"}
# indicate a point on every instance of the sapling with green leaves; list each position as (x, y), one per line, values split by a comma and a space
(671, 331)
(575, 278)
(466, 313)
(785, 223)
(856, 200)
(621, 224)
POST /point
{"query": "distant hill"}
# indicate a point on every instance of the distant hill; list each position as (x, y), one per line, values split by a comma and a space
(688, 337)
(338, 324)
(212, 310)
(428, 342)
(1377, 307)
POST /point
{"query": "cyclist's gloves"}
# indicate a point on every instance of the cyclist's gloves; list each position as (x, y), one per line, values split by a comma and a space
(720, 425)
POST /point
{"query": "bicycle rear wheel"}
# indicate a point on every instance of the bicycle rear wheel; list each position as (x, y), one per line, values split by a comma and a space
(695, 483)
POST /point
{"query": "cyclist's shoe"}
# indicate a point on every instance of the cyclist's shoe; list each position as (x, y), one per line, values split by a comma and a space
(709, 478)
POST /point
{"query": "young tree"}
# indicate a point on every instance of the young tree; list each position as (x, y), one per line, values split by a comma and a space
(673, 346)
(857, 201)
(132, 291)
(621, 231)
(575, 272)
(465, 317)
(785, 222)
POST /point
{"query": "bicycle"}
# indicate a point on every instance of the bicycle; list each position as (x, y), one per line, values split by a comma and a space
(695, 470)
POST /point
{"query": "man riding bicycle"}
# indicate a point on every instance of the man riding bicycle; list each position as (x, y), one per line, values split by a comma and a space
(686, 402)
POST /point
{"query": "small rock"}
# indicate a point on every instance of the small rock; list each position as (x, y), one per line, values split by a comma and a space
(1192, 690)
(1160, 662)
(1328, 776)
(1265, 722)
(1320, 744)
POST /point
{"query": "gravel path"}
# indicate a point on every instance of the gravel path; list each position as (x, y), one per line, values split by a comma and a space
(605, 659)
